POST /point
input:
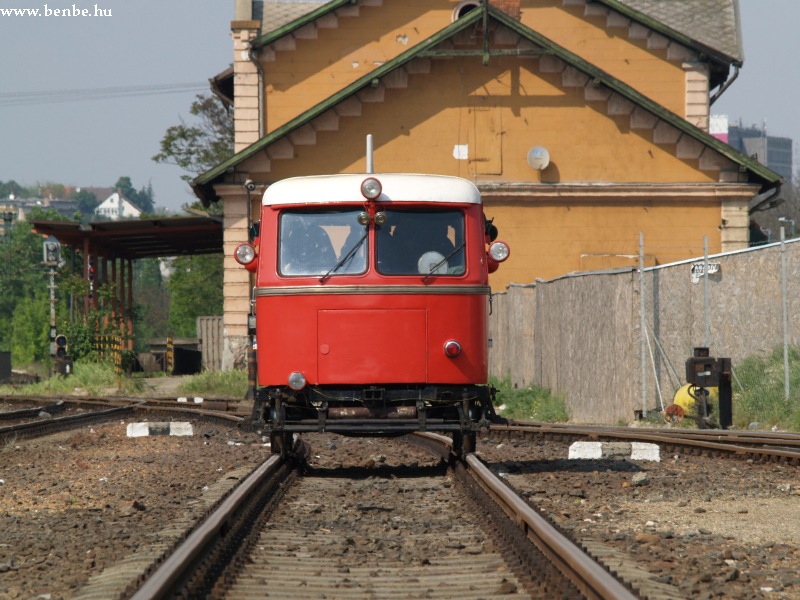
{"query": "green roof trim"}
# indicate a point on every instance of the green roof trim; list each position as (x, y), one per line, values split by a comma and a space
(769, 178)
(309, 17)
(669, 32)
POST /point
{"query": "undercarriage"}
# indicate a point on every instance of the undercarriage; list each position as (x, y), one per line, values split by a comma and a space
(375, 411)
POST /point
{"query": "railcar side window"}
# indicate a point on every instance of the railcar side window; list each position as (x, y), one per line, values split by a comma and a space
(322, 243)
(421, 243)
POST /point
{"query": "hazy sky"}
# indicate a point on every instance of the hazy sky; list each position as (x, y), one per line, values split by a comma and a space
(146, 44)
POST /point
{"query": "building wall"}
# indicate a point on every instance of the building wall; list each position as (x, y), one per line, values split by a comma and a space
(305, 68)
(300, 72)
(643, 59)
(448, 117)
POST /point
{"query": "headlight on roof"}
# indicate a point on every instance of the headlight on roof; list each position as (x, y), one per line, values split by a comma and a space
(371, 188)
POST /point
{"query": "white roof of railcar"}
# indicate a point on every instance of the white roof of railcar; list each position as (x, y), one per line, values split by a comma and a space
(397, 187)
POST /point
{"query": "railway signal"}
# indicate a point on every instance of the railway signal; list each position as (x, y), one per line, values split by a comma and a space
(61, 346)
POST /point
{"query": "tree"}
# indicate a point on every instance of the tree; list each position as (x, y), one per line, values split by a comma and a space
(142, 198)
(196, 284)
(198, 148)
(11, 187)
(151, 309)
(195, 287)
(87, 201)
(24, 303)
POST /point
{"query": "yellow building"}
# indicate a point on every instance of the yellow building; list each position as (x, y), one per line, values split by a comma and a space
(583, 123)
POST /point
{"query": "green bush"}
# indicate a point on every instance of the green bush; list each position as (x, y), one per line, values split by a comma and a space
(530, 403)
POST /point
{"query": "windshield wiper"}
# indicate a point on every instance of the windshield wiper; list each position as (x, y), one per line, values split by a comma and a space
(345, 258)
(443, 261)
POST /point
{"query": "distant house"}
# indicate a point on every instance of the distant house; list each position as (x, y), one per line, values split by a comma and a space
(116, 207)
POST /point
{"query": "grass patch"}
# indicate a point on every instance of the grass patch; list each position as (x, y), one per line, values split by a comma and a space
(759, 393)
(230, 384)
(88, 378)
(100, 379)
(529, 403)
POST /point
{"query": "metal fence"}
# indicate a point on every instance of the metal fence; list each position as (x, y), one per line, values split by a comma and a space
(615, 343)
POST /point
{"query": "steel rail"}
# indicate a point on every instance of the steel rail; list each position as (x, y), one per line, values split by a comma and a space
(707, 434)
(591, 577)
(39, 428)
(26, 413)
(173, 570)
(657, 437)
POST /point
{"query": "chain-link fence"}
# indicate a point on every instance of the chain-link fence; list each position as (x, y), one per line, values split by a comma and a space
(616, 342)
(741, 305)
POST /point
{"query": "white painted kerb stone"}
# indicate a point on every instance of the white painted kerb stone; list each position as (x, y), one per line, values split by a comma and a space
(623, 450)
(171, 428)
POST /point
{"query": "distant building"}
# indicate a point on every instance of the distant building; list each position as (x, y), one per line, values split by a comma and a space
(773, 151)
(21, 207)
(117, 207)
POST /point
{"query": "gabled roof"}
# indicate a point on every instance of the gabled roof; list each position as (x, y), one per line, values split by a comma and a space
(759, 172)
(710, 23)
(708, 26)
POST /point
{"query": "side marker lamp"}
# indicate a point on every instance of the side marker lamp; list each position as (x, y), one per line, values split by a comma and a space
(244, 254)
(499, 251)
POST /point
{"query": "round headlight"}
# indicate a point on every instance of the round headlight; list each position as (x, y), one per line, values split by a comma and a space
(297, 381)
(371, 188)
(380, 218)
(244, 254)
(499, 251)
(363, 218)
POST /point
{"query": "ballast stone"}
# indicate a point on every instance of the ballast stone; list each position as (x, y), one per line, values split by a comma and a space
(614, 450)
(166, 428)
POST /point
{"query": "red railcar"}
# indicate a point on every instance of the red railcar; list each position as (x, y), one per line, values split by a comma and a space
(371, 306)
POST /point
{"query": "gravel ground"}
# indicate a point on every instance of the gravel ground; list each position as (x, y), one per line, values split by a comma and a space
(74, 503)
(709, 527)
(374, 518)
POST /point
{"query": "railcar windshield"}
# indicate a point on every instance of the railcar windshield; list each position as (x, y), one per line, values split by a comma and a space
(326, 243)
(416, 242)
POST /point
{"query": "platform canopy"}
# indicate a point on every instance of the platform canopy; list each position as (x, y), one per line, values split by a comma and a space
(139, 238)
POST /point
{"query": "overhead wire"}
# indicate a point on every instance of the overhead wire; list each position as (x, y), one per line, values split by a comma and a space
(85, 94)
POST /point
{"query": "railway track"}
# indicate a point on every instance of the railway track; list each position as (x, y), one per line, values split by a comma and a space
(345, 534)
(29, 423)
(758, 446)
(377, 481)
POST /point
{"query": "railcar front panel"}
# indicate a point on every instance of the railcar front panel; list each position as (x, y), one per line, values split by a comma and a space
(371, 305)
(363, 338)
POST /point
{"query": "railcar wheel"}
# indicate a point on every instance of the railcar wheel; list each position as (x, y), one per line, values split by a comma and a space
(280, 442)
(464, 443)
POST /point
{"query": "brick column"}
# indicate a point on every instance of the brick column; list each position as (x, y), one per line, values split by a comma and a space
(245, 85)
(696, 107)
(236, 279)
